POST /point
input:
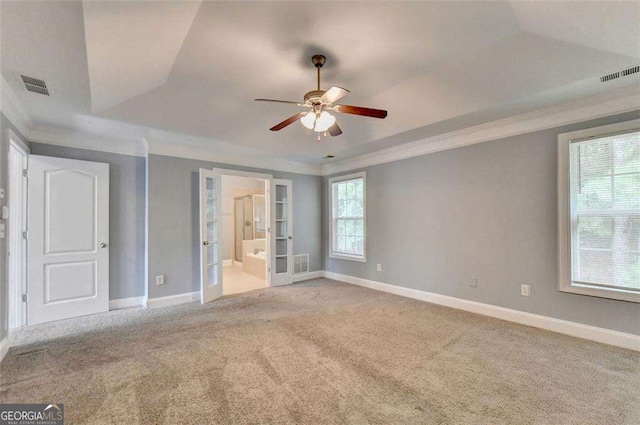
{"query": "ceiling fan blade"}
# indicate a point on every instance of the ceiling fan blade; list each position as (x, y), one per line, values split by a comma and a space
(279, 101)
(335, 130)
(359, 110)
(334, 94)
(287, 122)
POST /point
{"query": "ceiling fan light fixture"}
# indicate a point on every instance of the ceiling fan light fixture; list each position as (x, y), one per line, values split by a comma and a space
(323, 122)
(309, 120)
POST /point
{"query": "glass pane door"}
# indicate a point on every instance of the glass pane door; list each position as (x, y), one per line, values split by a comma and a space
(211, 243)
(282, 232)
(210, 203)
(281, 229)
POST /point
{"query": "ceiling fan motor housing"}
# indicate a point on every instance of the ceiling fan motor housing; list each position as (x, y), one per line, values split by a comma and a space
(313, 96)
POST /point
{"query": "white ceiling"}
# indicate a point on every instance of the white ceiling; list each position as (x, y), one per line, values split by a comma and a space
(193, 68)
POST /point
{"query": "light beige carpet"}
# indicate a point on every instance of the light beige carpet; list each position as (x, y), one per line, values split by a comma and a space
(319, 352)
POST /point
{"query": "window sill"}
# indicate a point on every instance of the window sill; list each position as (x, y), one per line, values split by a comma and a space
(595, 291)
(347, 257)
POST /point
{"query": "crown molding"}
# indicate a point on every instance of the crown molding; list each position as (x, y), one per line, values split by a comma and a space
(157, 146)
(71, 138)
(13, 109)
(615, 102)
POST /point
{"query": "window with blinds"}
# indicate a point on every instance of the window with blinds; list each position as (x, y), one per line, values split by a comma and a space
(348, 217)
(604, 211)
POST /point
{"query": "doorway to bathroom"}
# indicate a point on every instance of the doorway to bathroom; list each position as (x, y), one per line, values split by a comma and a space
(265, 258)
(244, 230)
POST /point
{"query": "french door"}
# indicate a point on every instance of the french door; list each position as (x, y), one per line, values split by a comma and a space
(281, 232)
(210, 207)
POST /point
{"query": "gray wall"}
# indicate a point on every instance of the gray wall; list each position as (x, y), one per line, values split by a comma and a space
(5, 125)
(486, 210)
(126, 215)
(174, 223)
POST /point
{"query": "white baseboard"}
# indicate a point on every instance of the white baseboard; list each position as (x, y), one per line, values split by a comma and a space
(4, 347)
(126, 303)
(593, 333)
(226, 263)
(307, 276)
(173, 300)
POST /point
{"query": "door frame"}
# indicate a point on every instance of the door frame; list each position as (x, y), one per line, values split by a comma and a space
(16, 290)
(268, 178)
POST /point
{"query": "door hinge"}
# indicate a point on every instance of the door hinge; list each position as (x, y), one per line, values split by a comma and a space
(24, 298)
(25, 173)
(25, 235)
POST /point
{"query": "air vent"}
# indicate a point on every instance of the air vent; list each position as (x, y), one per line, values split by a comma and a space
(631, 70)
(35, 85)
(301, 263)
(618, 74)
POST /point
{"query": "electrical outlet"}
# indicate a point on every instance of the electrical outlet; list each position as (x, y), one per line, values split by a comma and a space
(525, 290)
(160, 279)
(474, 282)
(379, 267)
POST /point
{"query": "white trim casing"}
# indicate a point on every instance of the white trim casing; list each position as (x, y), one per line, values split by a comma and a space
(337, 179)
(579, 330)
(4, 347)
(17, 225)
(121, 303)
(240, 173)
(308, 276)
(564, 211)
(18, 142)
(170, 300)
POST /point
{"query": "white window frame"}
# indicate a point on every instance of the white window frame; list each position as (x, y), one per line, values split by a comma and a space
(565, 283)
(332, 253)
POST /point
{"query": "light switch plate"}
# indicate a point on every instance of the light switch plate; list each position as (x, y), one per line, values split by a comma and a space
(160, 279)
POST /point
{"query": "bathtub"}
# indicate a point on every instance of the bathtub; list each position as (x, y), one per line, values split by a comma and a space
(252, 263)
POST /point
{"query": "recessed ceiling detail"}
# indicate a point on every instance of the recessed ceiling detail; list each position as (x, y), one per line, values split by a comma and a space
(192, 69)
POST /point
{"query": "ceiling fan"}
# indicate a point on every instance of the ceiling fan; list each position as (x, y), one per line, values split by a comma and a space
(318, 104)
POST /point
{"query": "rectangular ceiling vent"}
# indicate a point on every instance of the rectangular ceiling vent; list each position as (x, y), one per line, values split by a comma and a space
(618, 74)
(35, 85)
(629, 71)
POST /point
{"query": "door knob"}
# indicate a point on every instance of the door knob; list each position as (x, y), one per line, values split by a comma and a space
(103, 245)
(290, 237)
(205, 243)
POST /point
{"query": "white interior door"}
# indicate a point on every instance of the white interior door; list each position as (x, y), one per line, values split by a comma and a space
(282, 232)
(210, 207)
(68, 221)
